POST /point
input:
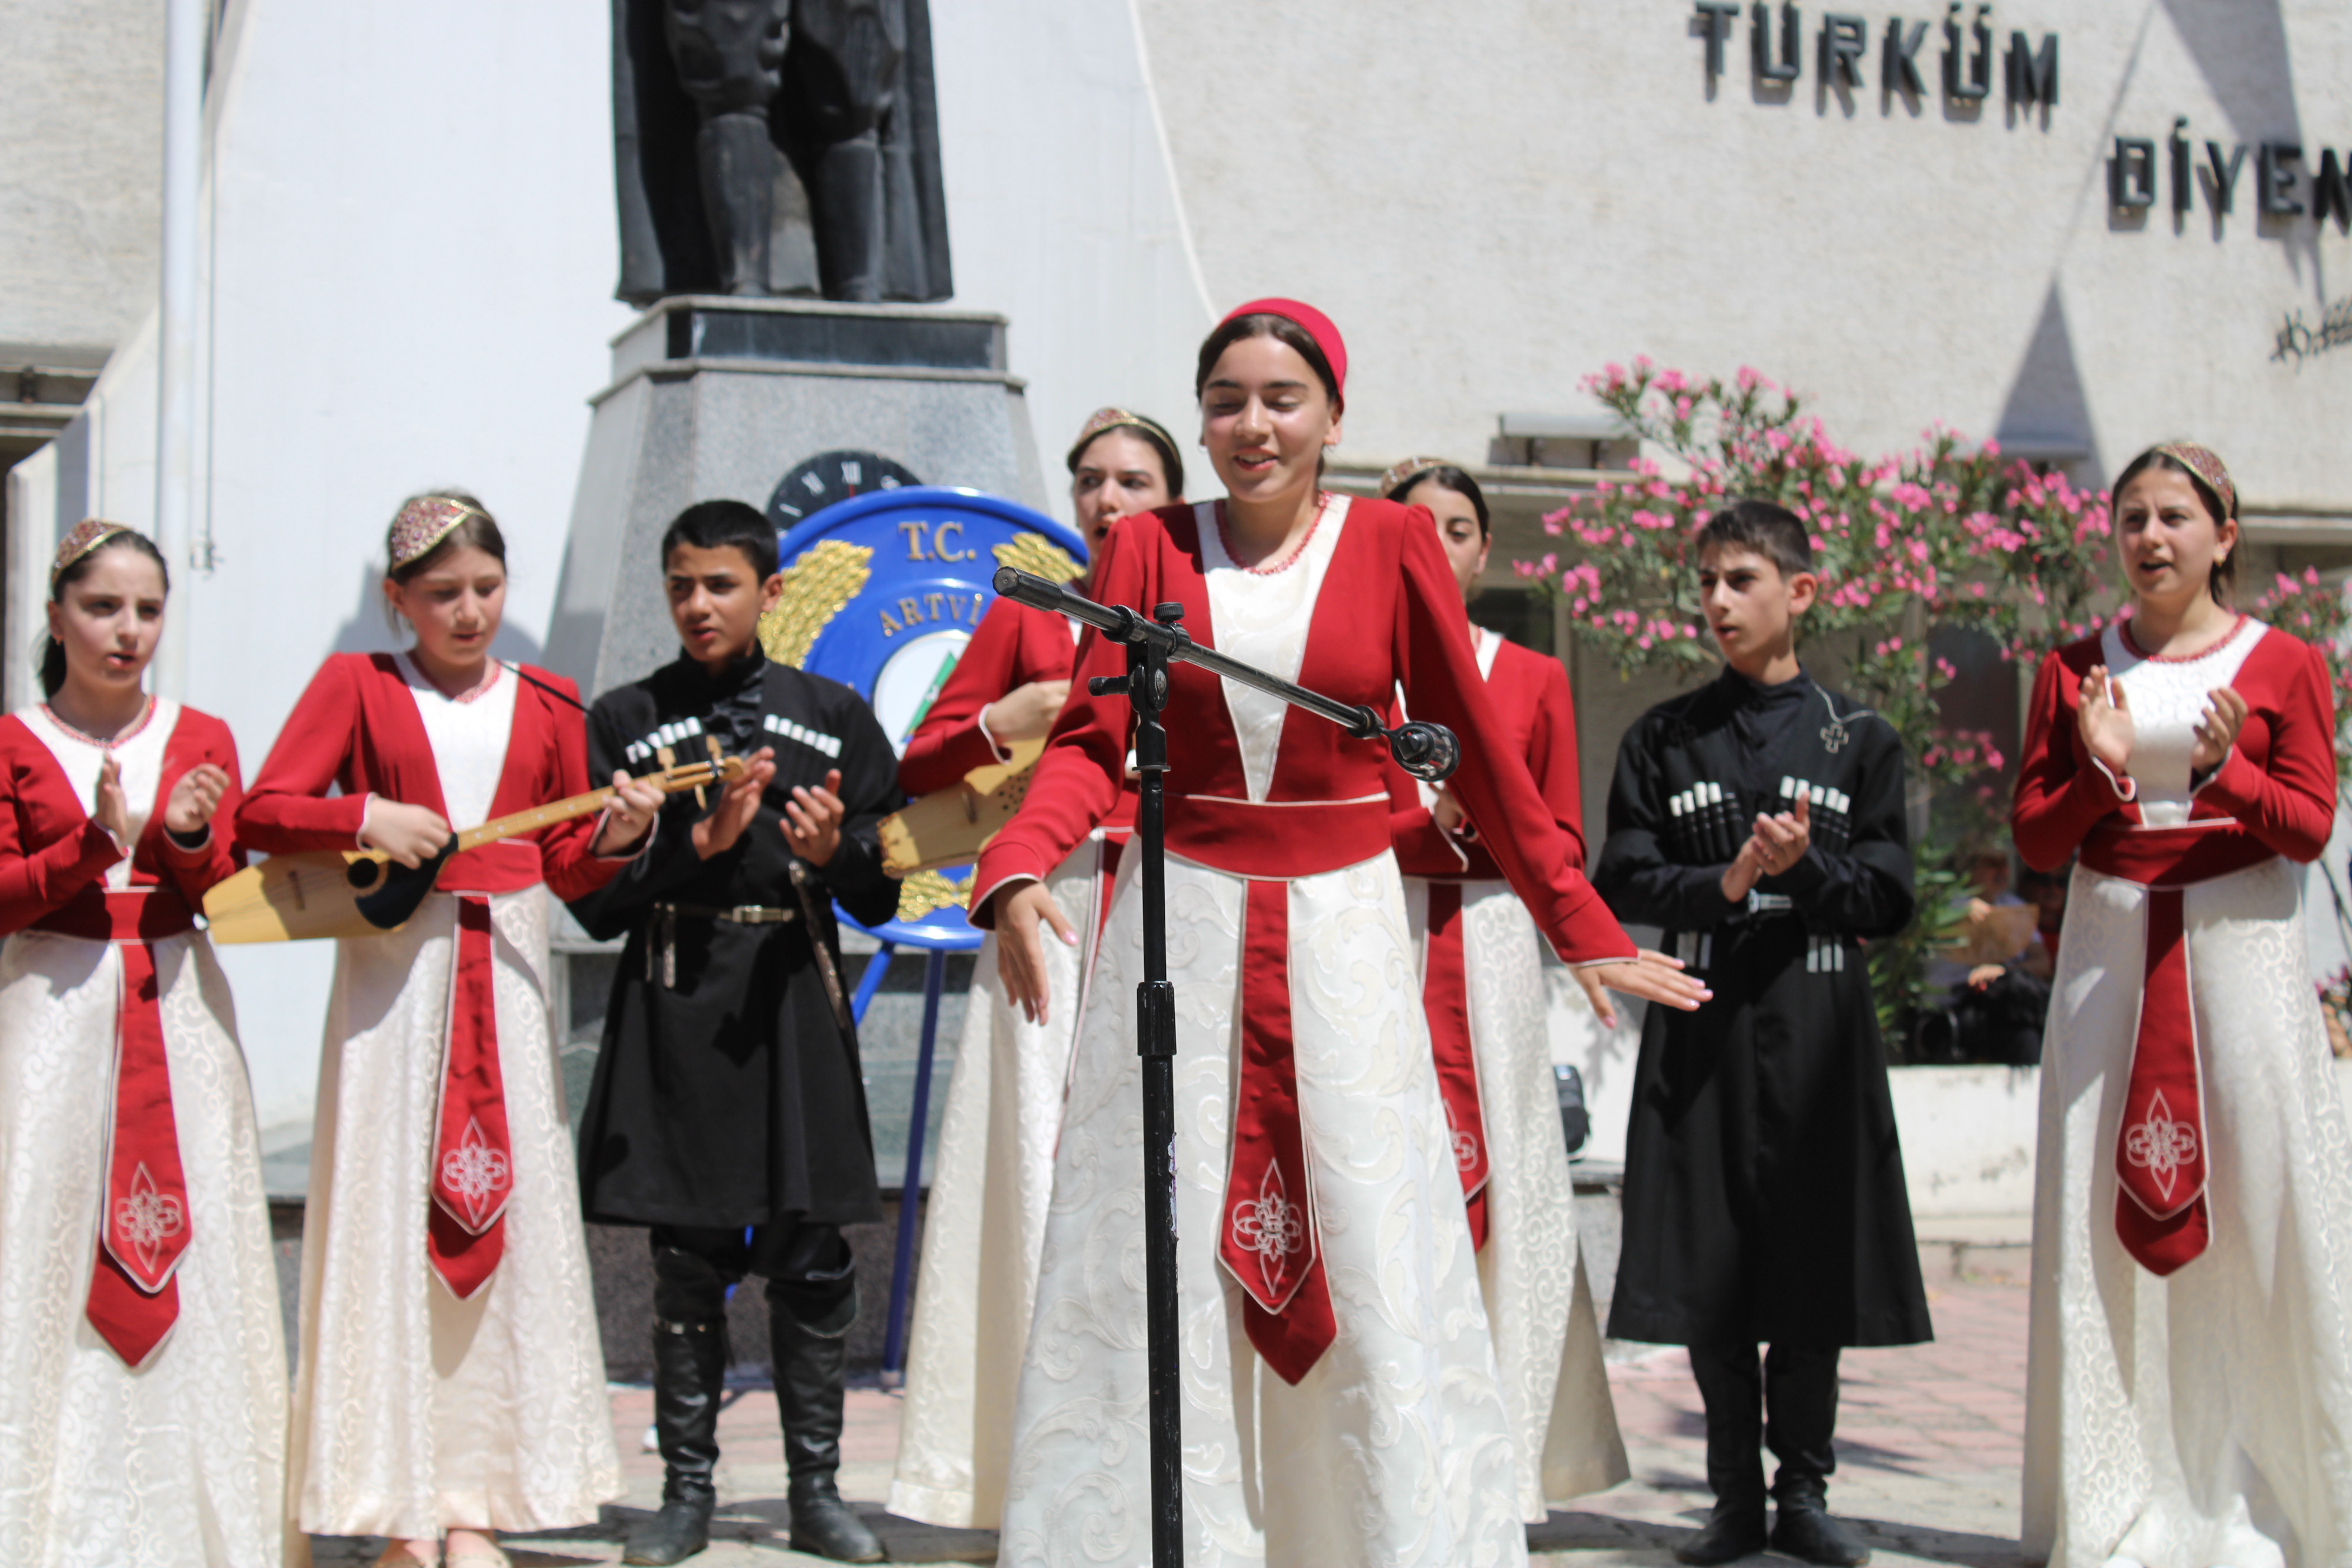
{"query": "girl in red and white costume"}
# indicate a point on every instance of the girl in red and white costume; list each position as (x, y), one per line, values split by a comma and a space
(449, 1377)
(1481, 968)
(1325, 1237)
(985, 1225)
(143, 1370)
(2189, 1376)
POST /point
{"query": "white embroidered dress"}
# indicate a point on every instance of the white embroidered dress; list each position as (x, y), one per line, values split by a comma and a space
(415, 1411)
(1395, 1448)
(1531, 1271)
(183, 1462)
(2204, 1418)
(984, 1226)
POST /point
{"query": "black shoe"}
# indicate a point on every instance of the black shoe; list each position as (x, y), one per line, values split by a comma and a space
(1732, 1531)
(680, 1529)
(1806, 1532)
(825, 1526)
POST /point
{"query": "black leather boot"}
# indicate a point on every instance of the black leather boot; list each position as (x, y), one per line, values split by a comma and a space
(810, 1360)
(690, 1376)
(1801, 1390)
(1731, 1386)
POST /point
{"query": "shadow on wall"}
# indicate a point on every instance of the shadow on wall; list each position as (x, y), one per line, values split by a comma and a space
(370, 628)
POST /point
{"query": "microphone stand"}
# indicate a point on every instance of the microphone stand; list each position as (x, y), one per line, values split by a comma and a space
(1428, 752)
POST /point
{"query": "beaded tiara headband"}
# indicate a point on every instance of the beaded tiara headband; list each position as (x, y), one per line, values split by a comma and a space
(2205, 464)
(425, 522)
(1405, 473)
(87, 535)
(1103, 419)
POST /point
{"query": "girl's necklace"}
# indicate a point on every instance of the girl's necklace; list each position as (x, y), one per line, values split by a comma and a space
(107, 744)
(1225, 538)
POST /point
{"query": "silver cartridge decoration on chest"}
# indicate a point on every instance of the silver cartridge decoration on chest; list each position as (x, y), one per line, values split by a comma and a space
(1832, 816)
(1701, 826)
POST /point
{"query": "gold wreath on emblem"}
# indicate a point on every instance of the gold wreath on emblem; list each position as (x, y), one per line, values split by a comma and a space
(924, 892)
(826, 576)
(1040, 557)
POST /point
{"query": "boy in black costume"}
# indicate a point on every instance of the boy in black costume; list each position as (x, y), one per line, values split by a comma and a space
(1760, 821)
(729, 1109)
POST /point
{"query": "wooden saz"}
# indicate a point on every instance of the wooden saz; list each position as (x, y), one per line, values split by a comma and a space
(301, 897)
(950, 827)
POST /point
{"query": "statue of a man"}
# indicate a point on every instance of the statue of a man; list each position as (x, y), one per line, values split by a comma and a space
(778, 147)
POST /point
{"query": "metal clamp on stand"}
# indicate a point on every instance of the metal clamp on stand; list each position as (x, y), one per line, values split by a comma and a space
(1427, 751)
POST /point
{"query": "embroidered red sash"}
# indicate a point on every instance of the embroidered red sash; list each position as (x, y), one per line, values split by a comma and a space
(144, 1229)
(2162, 1157)
(1445, 997)
(473, 1156)
(1268, 1237)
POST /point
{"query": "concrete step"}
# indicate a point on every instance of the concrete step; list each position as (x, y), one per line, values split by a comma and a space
(1975, 1249)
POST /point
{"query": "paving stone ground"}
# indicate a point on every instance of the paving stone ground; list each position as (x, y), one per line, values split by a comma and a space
(1930, 1442)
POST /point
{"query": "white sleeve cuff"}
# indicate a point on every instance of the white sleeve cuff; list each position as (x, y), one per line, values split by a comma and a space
(366, 811)
(2127, 788)
(981, 719)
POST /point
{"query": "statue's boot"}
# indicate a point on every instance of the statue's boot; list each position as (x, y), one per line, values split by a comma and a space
(689, 1378)
(738, 173)
(849, 224)
(810, 1361)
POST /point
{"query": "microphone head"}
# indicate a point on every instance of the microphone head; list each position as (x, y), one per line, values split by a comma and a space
(1428, 752)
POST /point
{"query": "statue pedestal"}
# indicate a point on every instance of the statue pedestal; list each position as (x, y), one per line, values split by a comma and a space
(719, 398)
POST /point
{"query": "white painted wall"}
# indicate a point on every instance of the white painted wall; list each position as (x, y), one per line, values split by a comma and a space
(1062, 214)
(1495, 200)
(410, 259)
(80, 169)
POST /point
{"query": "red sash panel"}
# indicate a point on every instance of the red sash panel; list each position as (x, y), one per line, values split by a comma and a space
(143, 1227)
(1445, 997)
(473, 1157)
(1278, 837)
(2161, 1153)
(1267, 1235)
(2161, 1166)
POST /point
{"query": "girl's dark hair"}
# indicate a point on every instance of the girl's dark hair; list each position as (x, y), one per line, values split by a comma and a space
(1445, 476)
(1171, 466)
(53, 653)
(1264, 324)
(716, 524)
(477, 529)
(2223, 581)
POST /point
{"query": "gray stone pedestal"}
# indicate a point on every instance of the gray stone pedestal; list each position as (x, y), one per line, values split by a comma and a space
(718, 398)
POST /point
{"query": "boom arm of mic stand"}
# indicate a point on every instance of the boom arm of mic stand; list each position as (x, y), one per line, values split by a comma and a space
(1427, 751)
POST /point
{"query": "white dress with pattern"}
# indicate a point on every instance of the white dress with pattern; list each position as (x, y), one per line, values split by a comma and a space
(984, 1225)
(1395, 1448)
(2203, 1419)
(415, 1411)
(1531, 1271)
(183, 1462)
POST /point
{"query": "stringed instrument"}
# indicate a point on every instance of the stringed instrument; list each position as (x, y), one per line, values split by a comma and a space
(362, 892)
(950, 827)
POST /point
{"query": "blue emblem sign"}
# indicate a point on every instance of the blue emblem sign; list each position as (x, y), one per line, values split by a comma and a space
(882, 593)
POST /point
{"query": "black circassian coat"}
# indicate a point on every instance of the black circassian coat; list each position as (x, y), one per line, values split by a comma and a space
(733, 1098)
(1764, 1191)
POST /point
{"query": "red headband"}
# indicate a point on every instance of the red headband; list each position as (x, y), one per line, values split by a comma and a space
(1314, 323)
